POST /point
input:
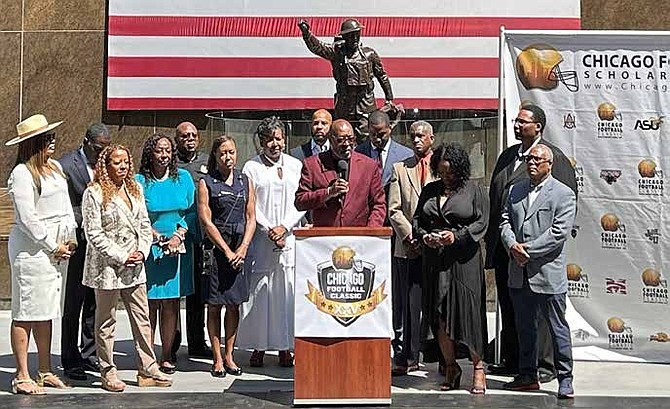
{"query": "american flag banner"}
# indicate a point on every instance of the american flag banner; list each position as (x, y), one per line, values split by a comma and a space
(249, 54)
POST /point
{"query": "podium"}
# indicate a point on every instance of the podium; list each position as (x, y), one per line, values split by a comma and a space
(343, 324)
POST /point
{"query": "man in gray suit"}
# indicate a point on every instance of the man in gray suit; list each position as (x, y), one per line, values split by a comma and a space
(536, 222)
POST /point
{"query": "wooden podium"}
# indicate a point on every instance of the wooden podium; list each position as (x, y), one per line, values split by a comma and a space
(342, 370)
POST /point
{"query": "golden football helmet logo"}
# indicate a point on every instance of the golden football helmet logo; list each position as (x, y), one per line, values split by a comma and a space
(537, 66)
(607, 112)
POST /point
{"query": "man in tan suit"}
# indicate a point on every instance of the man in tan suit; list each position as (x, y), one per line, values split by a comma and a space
(407, 180)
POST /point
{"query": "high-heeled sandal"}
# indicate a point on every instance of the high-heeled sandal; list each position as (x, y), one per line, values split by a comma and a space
(157, 379)
(453, 380)
(49, 379)
(478, 382)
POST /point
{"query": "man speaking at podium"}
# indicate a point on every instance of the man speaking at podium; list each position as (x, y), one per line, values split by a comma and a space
(342, 187)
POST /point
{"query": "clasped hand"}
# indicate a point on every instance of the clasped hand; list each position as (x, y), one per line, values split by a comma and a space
(519, 253)
(439, 239)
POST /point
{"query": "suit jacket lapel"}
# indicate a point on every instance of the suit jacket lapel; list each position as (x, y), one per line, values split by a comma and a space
(82, 168)
(128, 214)
(542, 197)
(307, 149)
(412, 169)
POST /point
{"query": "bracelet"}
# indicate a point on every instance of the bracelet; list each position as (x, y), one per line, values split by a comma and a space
(179, 236)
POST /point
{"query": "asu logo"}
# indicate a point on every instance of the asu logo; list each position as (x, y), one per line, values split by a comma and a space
(651, 124)
(345, 289)
(537, 66)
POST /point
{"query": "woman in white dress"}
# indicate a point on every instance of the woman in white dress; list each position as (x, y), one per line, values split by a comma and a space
(40, 243)
(267, 318)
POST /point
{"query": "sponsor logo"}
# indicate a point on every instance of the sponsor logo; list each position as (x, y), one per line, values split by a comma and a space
(345, 290)
(578, 281)
(655, 289)
(579, 174)
(613, 235)
(616, 286)
(620, 336)
(611, 122)
(610, 175)
(659, 337)
(538, 66)
(581, 335)
(652, 235)
(651, 124)
(569, 121)
(651, 178)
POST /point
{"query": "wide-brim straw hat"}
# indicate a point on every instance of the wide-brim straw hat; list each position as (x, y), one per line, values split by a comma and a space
(32, 126)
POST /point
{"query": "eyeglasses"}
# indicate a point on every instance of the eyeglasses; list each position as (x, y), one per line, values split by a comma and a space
(351, 139)
(537, 159)
(50, 137)
(522, 121)
(188, 135)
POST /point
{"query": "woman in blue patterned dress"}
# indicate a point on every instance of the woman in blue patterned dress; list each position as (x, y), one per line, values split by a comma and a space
(170, 198)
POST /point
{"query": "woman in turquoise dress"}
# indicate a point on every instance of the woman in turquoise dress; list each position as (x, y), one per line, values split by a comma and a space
(170, 198)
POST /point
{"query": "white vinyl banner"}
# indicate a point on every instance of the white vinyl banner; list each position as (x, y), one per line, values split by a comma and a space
(343, 287)
(606, 96)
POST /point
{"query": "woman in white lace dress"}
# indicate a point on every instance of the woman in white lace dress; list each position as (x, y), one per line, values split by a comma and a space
(40, 243)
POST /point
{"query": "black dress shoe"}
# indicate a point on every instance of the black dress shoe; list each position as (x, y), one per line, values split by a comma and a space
(546, 377)
(90, 366)
(76, 374)
(202, 352)
(522, 384)
(496, 369)
(232, 371)
(399, 371)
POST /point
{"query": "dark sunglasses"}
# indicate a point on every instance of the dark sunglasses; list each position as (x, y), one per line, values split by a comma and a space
(536, 159)
(50, 137)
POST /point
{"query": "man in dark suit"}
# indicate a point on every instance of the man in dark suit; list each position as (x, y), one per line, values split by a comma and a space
(187, 141)
(381, 147)
(341, 187)
(511, 168)
(78, 165)
(321, 121)
(537, 218)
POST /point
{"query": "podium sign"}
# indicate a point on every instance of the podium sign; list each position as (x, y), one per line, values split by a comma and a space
(343, 287)
(343, 322)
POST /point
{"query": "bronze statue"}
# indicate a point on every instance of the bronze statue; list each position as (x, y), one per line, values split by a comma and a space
(354, 68)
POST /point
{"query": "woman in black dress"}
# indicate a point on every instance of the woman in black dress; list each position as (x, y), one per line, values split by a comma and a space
(226, 210)
(450, 218)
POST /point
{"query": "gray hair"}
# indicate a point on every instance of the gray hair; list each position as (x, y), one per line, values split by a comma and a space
(424, 124)
(550, 153)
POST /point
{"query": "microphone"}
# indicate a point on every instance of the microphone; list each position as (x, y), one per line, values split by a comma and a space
(342, 173)
(343, 169)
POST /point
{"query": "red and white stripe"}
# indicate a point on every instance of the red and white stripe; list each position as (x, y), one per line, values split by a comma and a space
(248, 54)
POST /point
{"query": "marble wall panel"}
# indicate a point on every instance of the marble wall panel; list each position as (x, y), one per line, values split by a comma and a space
(10, 79)
(63, 79)
(10, 17)
(64, 14)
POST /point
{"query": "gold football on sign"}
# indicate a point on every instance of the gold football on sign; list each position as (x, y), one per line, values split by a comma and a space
(343, 257)
(609, 222)
(647, 168)
(615, 324)
(651, 277)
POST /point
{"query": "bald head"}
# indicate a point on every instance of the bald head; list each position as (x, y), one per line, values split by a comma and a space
(342, 139)
(186, 138)
(321, 121)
